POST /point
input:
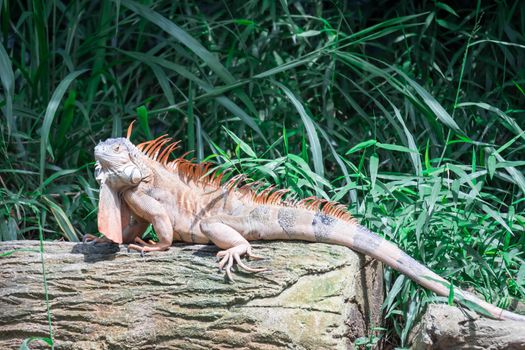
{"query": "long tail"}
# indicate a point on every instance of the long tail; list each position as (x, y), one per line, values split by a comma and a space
(365, 241)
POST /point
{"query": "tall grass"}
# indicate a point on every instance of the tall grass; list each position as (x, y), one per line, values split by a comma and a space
(412, 114)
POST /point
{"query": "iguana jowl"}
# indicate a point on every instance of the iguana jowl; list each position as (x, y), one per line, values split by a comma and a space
(139, 185)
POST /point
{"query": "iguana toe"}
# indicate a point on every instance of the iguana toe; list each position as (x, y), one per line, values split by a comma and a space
(92, 239)
(148, 248)
(229, 256)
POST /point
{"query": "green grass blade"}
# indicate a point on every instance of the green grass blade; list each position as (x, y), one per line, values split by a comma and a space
(164, 83)
(374, 166)
(62, 219)
(223, 100)
(515, 174)
(191, 120)
(243, 145)
(432, 103)
(313, 138)
(361, 145)
(509, 122)
(182, 36)
(25, 344)
(52, 107)
(143, 117)
(8, 82)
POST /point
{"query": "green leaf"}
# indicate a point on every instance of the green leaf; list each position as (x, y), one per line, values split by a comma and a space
(163, 83)
(315, 145)
(182, 36)
(446, 8)
(432, 103)
(9, 230)
(520, 278)
(509, 122)
(8, 82)
(285, 67)
(414, 157)
(514, 173)
(451, 294)
(247, 149)
(361, 145)
(374, 164)
(308, 33)
(58, 174)
(245, 22)
(240, 113)
(496, 216)
(62, 220)
(491, 165)
(397, 148)
(223, 100)
(27, 341)
(392, 293)
(142, 116)
(67, 118)
(52, 107)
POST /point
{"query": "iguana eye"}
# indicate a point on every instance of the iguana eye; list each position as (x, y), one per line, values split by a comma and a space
(116, 148)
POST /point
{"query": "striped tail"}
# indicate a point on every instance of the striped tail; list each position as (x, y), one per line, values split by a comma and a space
(365, 241)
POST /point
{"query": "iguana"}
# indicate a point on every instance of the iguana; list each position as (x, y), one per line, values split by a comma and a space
(187, 202)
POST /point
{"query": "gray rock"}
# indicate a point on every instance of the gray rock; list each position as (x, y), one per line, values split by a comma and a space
(447, 327)
(314, 296)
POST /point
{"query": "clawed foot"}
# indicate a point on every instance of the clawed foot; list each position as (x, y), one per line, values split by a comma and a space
(92, 239)
(147, 247)
(234, 254)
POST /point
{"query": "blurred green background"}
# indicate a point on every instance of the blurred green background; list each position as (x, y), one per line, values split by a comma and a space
(410, 112)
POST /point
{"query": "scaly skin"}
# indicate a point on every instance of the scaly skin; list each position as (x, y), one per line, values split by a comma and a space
(140, 186)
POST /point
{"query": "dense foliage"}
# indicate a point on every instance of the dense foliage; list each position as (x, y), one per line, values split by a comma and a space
(410, 112)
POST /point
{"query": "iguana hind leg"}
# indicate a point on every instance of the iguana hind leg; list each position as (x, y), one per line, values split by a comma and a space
(226, 237)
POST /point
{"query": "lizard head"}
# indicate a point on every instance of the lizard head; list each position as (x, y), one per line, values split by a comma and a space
(117, 169)
(116, 164)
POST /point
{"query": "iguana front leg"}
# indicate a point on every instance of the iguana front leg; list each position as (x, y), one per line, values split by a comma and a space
(220, 230)
(151, 210)
(130, 234)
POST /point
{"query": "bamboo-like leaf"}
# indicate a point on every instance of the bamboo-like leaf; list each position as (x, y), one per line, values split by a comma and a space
(52, 107)
(8, 82)
(181, 35)
(432, 103)
(143, 117)
(510, 123)
(491, 165)
(62, 220)
(223, 100)
(451, 294)
(496, 216)
(392, 294)
(361, 145)
(244, 146)
(163, 82)
(315, 145)
(397, 148)
(374, 165)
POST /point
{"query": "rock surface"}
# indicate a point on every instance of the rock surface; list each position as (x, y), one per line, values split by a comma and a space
(314, 296)
(447, 327)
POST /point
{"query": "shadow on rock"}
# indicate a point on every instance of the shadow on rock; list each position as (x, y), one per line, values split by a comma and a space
(94, 252)
(204, 250)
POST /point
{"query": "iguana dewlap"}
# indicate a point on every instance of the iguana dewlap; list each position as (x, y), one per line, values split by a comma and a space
(139, 186)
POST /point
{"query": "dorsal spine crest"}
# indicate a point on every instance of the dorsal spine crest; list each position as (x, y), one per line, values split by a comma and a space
(159, 150)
